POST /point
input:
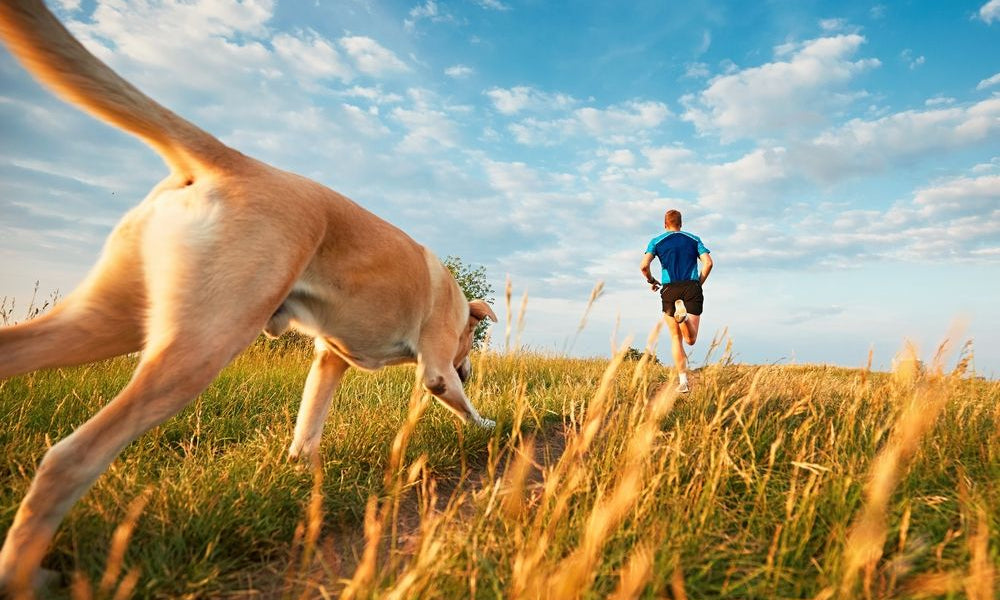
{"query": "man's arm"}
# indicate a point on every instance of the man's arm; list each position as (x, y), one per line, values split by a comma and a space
(706, 267)
(644, 267)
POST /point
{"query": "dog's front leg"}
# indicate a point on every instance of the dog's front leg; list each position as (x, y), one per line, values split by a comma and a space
(441, 379)
(324, 376)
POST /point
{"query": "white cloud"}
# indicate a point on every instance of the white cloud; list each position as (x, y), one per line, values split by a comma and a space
(740, 186)
(865, 146)
(366, 122)
(458, 71)
(525, 98)
(616, 124)
(622, 158)
(990, 12)
(939, 101)
(954, 220)
(428, 127)
(832, 24)
(492, 5)
(911, 61)
(696, 70)
(311, 56)
(706, 43)
(989, 82)
(960, 197)
(622, 120)
(148, 43)
(798, 91)
(371, 57)
(429, 11)
(758, 181)
(536, 132)
(373, 94)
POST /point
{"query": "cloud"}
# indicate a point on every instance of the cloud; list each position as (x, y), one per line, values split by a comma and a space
(833, 24)
(758, 182)
(618, 124)
(910, 60)
(622, 119)
(798, 91)
(371, 57)
(746, 185)
(493, 5)
(311, 56)
(458, 71)
(989, 82)
(696, 70)
(429, 129)
(954, 220)
(990, 12)
(865, 146)
(624, 158)
(373, 94)
(521, 98)
(147, 42)
(428, 11)
(366, 122)
(706, 43)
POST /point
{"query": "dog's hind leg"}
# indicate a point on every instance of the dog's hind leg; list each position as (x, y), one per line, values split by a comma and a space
(171, 372)
(324, 376)
(101, 319)
(70, 334)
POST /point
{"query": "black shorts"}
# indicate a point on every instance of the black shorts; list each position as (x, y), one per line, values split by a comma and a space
(688, 291)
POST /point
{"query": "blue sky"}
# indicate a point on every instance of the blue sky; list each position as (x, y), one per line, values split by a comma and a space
(840, 159)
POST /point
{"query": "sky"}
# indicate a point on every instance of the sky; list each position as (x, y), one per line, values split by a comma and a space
(841, 160)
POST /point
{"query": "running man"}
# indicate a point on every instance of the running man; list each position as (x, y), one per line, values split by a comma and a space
(679, 253)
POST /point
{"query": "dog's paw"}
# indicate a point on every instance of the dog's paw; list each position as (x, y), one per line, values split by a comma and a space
(303, 453)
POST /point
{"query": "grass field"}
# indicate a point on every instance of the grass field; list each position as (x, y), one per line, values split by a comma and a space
(764, 482)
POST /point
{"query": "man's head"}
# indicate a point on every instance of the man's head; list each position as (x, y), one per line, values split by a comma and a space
(672, 220)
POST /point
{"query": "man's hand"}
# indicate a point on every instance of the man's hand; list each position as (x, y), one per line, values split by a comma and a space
(644, 267)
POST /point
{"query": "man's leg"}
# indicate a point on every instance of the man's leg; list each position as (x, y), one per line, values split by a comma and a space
(690, 328)
(677, 349)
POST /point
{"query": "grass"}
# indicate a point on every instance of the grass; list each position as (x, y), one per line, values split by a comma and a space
(764, 482)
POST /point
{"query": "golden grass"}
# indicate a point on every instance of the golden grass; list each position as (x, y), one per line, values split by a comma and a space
(765, 482)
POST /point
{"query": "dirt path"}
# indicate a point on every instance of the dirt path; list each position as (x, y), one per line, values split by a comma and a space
(339, 550)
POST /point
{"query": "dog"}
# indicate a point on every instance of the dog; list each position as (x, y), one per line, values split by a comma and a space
(224, 247)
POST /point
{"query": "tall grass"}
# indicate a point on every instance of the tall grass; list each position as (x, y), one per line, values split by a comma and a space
(764, 482)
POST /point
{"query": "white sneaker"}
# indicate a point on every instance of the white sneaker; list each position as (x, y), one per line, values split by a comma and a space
(683, 388)
(680, 311)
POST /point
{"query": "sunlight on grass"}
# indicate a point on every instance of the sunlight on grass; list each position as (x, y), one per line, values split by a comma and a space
(766, 481)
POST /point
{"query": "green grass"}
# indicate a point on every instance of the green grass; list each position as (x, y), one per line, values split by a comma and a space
(749, 487)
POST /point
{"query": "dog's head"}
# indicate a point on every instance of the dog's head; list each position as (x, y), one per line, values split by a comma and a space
(478, 310)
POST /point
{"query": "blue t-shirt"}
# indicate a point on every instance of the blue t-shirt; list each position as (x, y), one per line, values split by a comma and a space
(678, 252)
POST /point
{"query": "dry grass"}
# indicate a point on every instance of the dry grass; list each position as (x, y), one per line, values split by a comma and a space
(765, 482)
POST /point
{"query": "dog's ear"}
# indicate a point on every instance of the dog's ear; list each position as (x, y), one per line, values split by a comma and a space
(480, 310)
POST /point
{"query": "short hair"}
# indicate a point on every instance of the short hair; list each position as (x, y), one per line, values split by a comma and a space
(672, 218)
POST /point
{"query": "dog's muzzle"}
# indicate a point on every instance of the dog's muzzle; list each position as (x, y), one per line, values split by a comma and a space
(464, 370)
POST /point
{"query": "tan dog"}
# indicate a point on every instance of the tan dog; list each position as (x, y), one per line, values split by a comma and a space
(223, 247)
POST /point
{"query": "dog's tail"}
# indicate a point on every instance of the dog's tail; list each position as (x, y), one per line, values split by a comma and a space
(51, 53)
